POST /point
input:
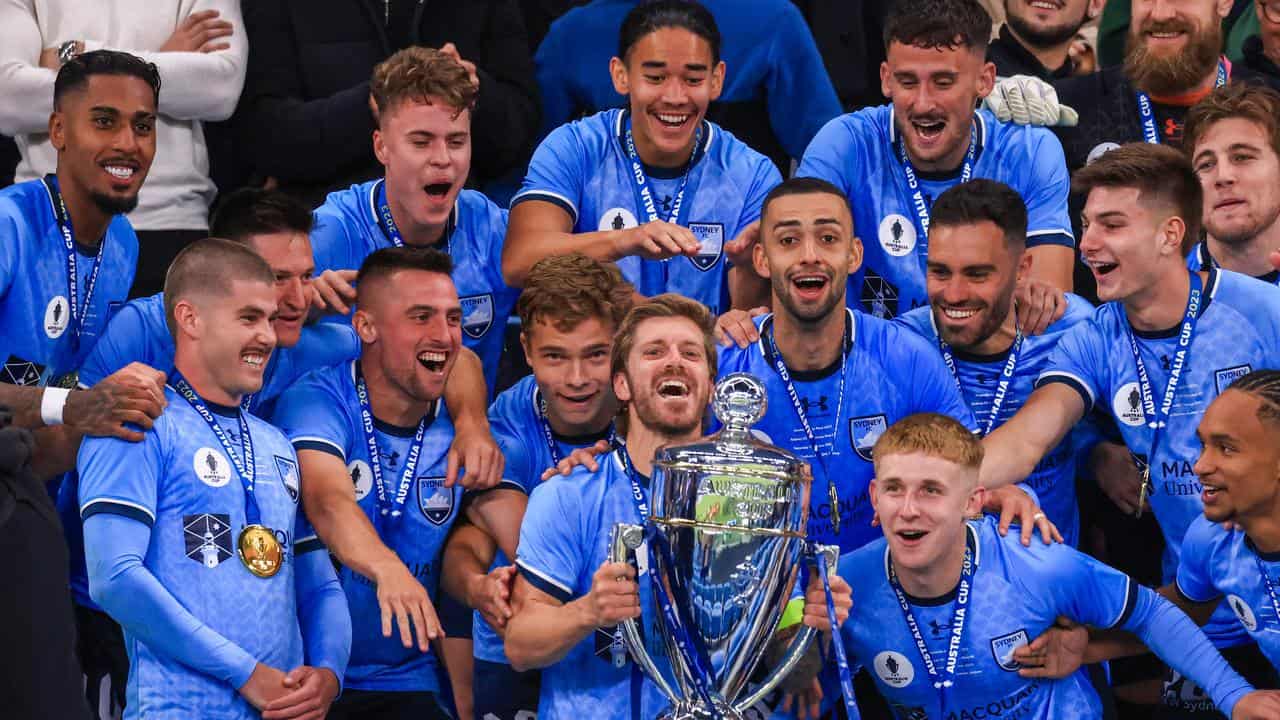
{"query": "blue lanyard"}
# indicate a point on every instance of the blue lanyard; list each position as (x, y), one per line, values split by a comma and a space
(1147, 113)
(79, 309)
(394, 507)
(246, 469)
(1159, 418)
(1006, 377)
(382, 213)
(540, 406)
(945, 679)
(915, 194)
(655, 275)
(837, 642)
(1271, 588)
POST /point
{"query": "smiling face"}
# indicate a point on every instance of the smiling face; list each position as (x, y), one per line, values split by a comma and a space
(971, 276)
(667, 380)
(289, 255)
(234, 335)
(1240, 173)
(1173, 44)
(1126, 242)
(571, 368)
(410, 325)
(1046, 23)
(922, 502)
(426, 150)
(934, 91)
(670, 78)
(807, 252)
(1239, 463)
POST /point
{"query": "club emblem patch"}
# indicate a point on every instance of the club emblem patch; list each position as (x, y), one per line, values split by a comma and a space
(1222, 379)
(864, 432)
(288, 470)
(211, 467)
(477, 315)
(711, 236)
(1002, 649)
(435, 500)
(1127, 405)
(208, 538)
(617, 219)
(897, 235)
(894, 669)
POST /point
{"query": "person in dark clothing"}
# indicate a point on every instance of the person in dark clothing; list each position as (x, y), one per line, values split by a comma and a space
(539, 14)
(1036, 40)
(8, 160)
(847, 33)
(305, 117)
(37, 631)
(1262, 51)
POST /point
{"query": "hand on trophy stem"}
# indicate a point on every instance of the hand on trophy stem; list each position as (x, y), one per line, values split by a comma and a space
(807, 702)
(614, 596)
(815, 601)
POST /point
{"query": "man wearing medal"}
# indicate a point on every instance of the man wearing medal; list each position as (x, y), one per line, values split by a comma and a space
(944, 603)
(1166, 343)
(373, 438)
(976, 257)
(568, 599)
(193, 537)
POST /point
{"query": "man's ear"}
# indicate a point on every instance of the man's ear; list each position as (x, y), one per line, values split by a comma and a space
(58, 130)
(618, 72)
(621, 388)
(364, 327)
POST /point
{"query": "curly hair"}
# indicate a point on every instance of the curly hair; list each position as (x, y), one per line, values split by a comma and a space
(421, 74)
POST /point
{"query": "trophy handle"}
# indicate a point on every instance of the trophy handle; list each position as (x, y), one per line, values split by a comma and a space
(625, 540)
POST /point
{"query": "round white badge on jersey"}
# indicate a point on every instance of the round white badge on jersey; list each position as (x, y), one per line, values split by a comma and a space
(1243, 611)
(212, 467)
(894, 669)
(617, 219)
(361, 478)
(57, 316)
(1127, 405)
(1099, 150)
(897, 235)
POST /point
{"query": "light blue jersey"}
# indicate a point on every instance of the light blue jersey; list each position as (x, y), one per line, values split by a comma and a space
(1014, 594)
(44, 337)
(979, 376)
(180, 482)
(888, 373)
(857, 152)
(1238, 331)
(322, 412)
(585, 168)
(1200, 259)
(348, 229)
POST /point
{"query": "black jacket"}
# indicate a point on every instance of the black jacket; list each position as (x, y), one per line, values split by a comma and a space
(847, 33)
(304, 115)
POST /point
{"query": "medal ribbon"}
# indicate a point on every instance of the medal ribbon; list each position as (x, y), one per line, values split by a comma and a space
(382, 213)
(1271, 588)
(779, 366)
(1147, 112)
(549, 435)
(78, 309)
(394, 506)
(242, 461)
(1002, 388)
(915, 193)
(837, 641)
(1159, 416)
(945, 679)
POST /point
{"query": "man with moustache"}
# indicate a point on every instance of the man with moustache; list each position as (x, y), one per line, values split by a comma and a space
(1037, 36)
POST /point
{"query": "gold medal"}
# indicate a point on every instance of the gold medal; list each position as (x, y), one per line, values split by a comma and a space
(1144, 490)
(260, 551)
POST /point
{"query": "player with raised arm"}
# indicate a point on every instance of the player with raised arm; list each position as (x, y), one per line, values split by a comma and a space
(195, 542)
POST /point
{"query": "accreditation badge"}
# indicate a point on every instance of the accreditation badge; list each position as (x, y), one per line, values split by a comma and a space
(260, 551)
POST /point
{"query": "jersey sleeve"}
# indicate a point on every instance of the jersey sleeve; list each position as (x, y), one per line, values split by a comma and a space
(331, 243)
(312, 416)
(519, 473)
(832, 155)
(1077, 361)
(326, 344)
(550, 553)
(766, 178)
(124, 341)
(557, 171)
(1194, 580)
(1076, 585)
(1048, 222)
(10, 237)
(132, 494)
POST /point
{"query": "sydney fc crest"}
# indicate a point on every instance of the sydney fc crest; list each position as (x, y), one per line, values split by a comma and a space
(477, 315)
(207, 537)
(864, 432)
(435, 500)
(1002, 649)
(711, 237)
(288, 470)
(1223, 378)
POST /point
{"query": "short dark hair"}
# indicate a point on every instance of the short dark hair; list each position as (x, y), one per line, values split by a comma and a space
(980, 199)
(210, 266)
(382, 264)
(253, 211)
(1258, 104)
(947, 24)
(1158, 172)
(802, 186)
(648, 17)
(76, 73)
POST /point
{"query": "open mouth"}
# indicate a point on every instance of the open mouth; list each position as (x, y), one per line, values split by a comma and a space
(120, 171)
(911, 537)
(958, 313)
(437, 190)
(1045, 5)
(672, 120)
(810, 285)
(929, 129)
(254, 358)
(1102, 268)
(433, 360)
(1209, 492)
(673, 388)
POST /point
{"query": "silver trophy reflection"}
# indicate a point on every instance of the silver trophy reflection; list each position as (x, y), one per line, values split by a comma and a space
(726, 539)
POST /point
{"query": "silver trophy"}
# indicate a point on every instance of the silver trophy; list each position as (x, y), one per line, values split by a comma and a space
(725, 542)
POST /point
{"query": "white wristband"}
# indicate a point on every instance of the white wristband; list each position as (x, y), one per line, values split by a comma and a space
(51, 404)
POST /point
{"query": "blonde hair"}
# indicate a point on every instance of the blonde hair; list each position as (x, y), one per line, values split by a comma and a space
(664, 306)
(930, 434)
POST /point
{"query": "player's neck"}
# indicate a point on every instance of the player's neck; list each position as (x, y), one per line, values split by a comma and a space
(388, 402)
(1263, 531)
(1162, 304)
(201, 379)
(414, 234)
(88, 221)
(652, 156)
(643, 442)
(1251, 257)
(1000, 340)
(809, 345)
(938, 578)
(1052, 57)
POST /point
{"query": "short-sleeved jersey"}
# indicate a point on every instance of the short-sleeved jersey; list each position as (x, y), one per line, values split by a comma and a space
(583, 167)
(36, 336)
(563, 540)
(889, 373)
(181, 483)
(516, 420)
(1016, 594)
(1200, 259)
(347, 230)
(857, 153)
(1054, 477)
(1217, 563)
(1238, 331)
(322, 412)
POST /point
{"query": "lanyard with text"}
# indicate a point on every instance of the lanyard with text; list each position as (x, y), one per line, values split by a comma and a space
(1147, 111)
(654, 275)
(915, 193)
(1271, 588)
(242, 461)
(394, 506)
(549, 435)
(1002, 388)
(946, 679)
(1158, 418)
(780, 366)
(382, 213)
(78, 309)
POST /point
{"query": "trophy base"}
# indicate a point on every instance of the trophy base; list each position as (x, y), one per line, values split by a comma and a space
(697, 711)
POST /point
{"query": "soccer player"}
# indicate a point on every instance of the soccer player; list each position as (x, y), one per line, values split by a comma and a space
(423, 100)
(378, 425)
(569, 310)
(568, 599)
(976, 257)
(1233, 140)
(1037, 39)
(194, 539)
(892, 161)
(943, 602)
(655, 187)
(1166, 343)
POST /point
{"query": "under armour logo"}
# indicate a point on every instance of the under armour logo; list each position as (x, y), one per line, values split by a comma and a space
(1164, 362)
(391, 458)
(618, 222)
(986, 379)
(938, 628)
(810, 403)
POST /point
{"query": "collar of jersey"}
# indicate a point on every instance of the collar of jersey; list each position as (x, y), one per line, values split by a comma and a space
(229, 411)
(850, 334)
(1263, 556)
(1210, 289)
(432, 413)
(661, 173)
(950, 595)
(978, 117)
(1207, 261)
(579, 440)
